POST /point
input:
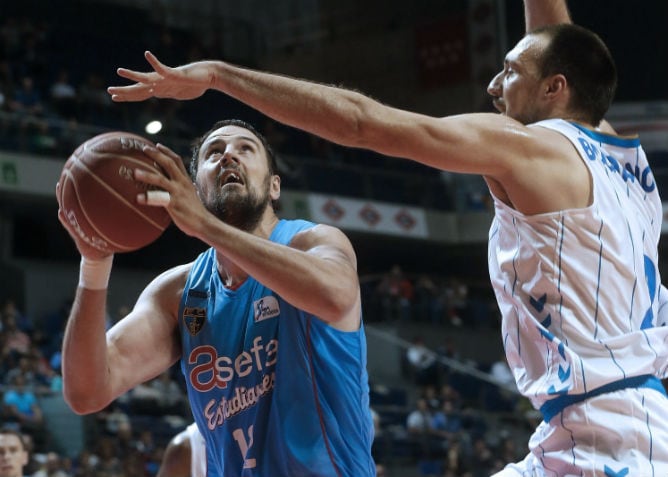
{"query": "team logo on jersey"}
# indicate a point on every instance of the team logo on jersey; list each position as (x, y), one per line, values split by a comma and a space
(265, 308)
(193, 319)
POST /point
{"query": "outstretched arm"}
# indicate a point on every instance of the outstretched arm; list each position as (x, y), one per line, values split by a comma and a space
(539, 13)
(466, 143)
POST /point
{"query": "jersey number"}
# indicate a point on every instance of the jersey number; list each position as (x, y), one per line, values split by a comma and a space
(245, 445)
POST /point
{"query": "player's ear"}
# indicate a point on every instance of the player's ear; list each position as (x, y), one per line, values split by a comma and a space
(275, 187)
(555, 86)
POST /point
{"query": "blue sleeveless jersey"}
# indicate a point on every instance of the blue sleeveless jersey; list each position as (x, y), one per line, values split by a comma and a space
(275, 391)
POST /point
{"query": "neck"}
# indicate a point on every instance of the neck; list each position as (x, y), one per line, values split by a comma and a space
(230, 273)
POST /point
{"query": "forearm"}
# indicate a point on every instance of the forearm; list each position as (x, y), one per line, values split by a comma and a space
(539, 13)
(86, 380)
(335, 114)
(323, 284)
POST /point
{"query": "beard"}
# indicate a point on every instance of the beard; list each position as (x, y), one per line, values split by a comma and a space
(240, 210)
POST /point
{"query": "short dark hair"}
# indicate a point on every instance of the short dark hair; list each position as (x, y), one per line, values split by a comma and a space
(197, 144)
(584, 59)
(14, 432)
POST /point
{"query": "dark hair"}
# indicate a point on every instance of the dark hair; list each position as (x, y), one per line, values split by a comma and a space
(197, 144)
(584, 59)
(14, 432)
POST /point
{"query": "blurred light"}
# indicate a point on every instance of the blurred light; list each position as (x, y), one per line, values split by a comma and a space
(153, 127)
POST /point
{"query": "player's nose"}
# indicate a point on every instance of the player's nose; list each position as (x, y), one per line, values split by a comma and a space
(228, 157)
(494, 86)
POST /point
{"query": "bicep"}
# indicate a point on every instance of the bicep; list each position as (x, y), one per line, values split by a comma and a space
(466, 143)
(146, 342)
(332, 283)
(327, 243)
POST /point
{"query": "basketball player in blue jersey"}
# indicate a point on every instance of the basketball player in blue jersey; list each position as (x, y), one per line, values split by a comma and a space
(266, 322)
(573, 245)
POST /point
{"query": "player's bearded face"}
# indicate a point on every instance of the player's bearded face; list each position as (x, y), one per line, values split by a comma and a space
(240, 206)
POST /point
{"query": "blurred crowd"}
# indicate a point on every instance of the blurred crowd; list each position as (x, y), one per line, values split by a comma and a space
(53, 98)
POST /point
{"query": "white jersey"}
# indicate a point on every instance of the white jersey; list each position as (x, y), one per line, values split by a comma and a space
(578, 289)
(197, 451)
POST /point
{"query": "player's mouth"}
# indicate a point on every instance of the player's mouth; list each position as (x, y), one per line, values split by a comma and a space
(499, 104)
(230, 176)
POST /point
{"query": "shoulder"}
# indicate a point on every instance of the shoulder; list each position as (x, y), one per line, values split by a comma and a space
(172, 278)
(167, 288)
(320, 235)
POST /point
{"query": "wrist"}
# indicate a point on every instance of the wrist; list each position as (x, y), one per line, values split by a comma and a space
(94, 273)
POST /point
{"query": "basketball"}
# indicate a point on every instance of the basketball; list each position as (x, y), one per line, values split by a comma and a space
(98, 193)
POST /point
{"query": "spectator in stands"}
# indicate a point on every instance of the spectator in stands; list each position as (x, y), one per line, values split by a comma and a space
(482, 459)
(33, 457)
(23, 321)
(395, 294)
(446, 422)
(54, 321)
(93, 102)
(446, 351)
(13, 453)
(421, 433)
(171, 397)
(15, 343)
(63, 95)
(28, 105)
(23, 409)
(449, 393)
(431, 395)
(132, 464)
(160, 396)
(145, 442)
(422, 363)
(503, 397)
(428, 305)
(418, 421)
(85, 464)
(455, 461)
(457, 302)
(109, 463)
(113, 418)
(53, 466)
(24, 368)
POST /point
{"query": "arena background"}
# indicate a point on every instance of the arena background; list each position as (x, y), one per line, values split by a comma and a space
(435, 57)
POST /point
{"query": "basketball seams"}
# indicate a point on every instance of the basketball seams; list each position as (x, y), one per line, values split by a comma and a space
(115, 193)
(97, 184)
(69, 178)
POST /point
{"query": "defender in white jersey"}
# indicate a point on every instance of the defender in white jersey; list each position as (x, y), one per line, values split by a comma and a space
(573, 247)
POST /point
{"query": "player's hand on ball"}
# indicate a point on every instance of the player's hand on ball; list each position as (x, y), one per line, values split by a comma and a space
(176, 193)
(84, 246)
(184, 82)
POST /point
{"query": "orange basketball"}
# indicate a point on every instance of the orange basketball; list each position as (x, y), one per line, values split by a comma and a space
(98, 193)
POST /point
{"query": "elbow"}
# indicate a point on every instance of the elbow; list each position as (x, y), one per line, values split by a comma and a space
(82, 402)
(340, 305)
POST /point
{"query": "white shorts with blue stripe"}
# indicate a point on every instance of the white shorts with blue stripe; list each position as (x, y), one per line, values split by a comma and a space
(618, 434)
